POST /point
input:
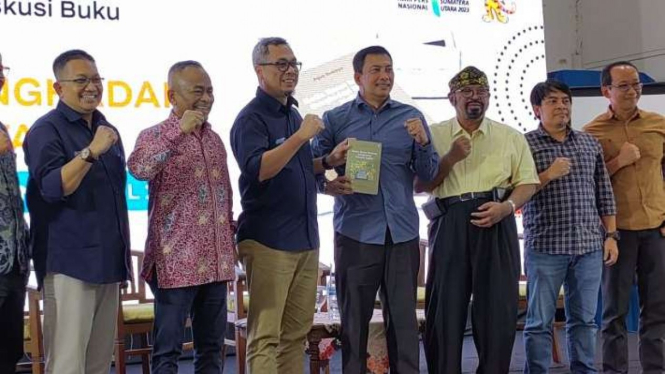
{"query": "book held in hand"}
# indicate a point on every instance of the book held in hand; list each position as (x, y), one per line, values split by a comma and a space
(363, 165)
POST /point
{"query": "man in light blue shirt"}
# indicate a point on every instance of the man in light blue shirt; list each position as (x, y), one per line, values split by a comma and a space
(376, 236)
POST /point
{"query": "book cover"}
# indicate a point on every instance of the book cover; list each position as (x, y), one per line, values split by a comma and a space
(363, 165)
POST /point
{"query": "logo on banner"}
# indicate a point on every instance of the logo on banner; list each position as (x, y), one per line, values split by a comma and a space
(436, 7)
(498, 10)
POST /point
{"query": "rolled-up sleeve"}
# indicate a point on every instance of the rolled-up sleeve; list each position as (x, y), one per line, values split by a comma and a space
(249, 140)
(45, 156)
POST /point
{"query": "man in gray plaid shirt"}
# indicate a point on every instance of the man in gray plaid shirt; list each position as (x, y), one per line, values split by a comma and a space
(569, 230)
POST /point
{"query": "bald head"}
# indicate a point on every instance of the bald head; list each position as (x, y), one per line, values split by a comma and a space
(190, 88)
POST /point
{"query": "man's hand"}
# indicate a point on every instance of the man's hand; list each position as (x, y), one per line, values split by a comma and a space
(662, 231)
(416, 129)
(490, 213)
(460, 149)
(104, 139)
(339, 186)
(191, 120)
(310, 126)
(338, 155)
(5, 143)
(628, 154)
(611, 252)
(560, 167)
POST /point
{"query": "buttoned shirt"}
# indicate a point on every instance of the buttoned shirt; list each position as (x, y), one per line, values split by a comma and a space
(563, 218)
(638, 188)
(190, 227)
(499, 158)
(84, 235)
(14, 249)
(363, 217)
(279, 212)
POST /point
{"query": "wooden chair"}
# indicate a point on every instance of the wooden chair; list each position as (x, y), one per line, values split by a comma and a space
(33, 340)
(135, 318)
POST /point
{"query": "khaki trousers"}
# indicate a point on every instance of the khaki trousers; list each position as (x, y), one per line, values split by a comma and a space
(79, 325)
(282, 289)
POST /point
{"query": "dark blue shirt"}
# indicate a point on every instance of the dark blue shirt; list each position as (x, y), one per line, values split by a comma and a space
(363, 217)
(84, 235)
(280, 212)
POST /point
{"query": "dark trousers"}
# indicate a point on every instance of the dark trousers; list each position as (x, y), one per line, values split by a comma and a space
(361, 269)
(467, 260)
(641, 252)
(12, 301)
(207, 306)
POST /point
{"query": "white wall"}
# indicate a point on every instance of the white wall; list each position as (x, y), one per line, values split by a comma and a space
(588, 34)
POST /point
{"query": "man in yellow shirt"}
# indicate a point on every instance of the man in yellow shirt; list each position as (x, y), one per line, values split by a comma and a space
(485, 174)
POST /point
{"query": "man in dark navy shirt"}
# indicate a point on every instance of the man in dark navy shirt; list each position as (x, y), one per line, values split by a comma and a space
(78, 211)
(278, 237)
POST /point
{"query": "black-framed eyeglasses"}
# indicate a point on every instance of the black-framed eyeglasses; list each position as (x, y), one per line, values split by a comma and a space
(625, 86)
(84, 81)
(284, 65)
(469, 92)
(4, 70)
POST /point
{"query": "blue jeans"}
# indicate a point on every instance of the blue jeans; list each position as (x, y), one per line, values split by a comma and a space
(580, 276)
(207, 306)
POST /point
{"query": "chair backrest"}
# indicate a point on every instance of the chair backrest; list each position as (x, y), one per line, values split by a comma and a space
(136, 287)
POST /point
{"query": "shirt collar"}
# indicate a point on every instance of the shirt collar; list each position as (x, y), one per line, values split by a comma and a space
(610, 115)
(74, 116)
(483, 128)
(543, 133)
(359, 102)
(274, 104)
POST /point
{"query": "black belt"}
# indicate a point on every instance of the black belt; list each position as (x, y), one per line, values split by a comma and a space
(496, 194)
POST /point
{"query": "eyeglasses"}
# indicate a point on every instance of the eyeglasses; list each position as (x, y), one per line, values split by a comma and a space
(84, 81)
(284, 65)
(468, 92)
(4, 70)
(625, 86)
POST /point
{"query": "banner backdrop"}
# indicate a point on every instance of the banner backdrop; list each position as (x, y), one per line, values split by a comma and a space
(135, 43)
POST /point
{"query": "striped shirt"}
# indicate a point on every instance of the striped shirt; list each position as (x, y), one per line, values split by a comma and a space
(563, 218)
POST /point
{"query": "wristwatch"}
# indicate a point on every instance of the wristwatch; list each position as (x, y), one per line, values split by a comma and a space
(325, 163)
(612, 235)
(86, 155)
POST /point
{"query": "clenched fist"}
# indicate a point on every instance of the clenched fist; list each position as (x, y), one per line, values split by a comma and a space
(310, 126)
(104, 139)
(460, 149)
(416, 130)
(191, 120)
(629, 154)
(560, 167)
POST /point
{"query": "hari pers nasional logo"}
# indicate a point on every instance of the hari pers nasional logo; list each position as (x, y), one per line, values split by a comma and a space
(77, 9)
(436, 7)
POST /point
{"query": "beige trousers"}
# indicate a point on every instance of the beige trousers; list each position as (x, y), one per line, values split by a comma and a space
(79, 325)
(282, 289)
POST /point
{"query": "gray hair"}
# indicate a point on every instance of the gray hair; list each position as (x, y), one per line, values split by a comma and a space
(260, 51)
(180, 66)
